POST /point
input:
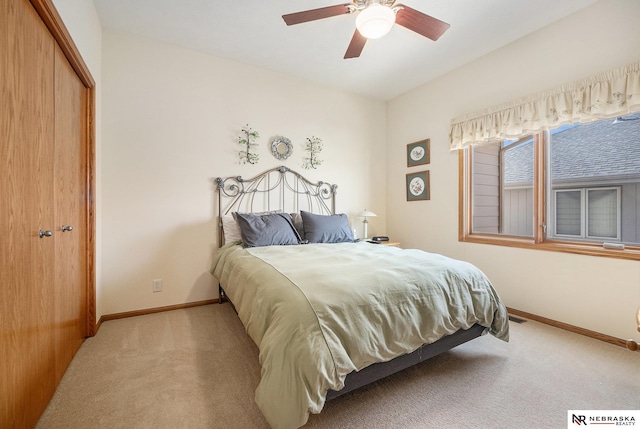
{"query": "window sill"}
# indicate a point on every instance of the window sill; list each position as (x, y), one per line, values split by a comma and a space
(591, 249)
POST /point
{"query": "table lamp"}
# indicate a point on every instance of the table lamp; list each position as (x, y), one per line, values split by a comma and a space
(365, 214)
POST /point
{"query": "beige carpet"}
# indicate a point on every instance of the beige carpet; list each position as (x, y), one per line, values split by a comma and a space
(196, 368)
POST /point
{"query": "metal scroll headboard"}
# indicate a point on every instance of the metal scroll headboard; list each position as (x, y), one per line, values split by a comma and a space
(277, 189)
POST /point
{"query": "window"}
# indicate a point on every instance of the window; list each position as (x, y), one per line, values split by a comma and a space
(503, 188)
(569, 189)
(588, 213)
(602, 214)
(568, 213)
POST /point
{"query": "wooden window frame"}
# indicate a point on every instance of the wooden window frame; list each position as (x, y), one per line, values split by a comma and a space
(539, 241)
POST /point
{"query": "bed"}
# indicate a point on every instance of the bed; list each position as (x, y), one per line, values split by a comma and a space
(331, 315)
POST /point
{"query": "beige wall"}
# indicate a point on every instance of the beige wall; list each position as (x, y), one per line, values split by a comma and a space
(601, 294)
(171, 119)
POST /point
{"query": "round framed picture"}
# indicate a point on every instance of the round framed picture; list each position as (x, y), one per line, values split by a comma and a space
(418, 153)
(418, 186)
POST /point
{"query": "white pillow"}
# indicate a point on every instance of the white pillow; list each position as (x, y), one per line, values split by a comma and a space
(231, 229)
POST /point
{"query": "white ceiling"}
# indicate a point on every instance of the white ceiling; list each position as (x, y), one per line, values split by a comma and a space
(253, 32)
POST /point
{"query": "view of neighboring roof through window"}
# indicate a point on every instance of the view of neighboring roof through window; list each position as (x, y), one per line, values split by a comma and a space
(599, 165)
(592, 189)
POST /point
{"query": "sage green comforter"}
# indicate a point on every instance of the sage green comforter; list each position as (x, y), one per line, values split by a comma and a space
(320, 311)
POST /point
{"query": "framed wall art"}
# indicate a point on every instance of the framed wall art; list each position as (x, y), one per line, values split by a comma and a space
(418, 186)
(418, 153)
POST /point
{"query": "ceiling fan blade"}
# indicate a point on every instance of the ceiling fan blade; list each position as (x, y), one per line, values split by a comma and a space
(356, 46)
(425, 25)
(314, 14)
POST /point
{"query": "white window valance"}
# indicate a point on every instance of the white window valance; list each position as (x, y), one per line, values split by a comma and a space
(607, 95)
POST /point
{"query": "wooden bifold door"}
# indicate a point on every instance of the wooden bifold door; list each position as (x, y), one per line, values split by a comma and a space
(44, 213)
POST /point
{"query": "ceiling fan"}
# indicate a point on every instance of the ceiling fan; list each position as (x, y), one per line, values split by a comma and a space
(375, 19)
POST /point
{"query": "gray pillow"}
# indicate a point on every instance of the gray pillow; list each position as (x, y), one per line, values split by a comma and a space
(231, 229)
(297, 222)
(266, 229)
(326, 229)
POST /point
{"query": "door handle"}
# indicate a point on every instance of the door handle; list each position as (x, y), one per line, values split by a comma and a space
(67, 228)
(47, 233)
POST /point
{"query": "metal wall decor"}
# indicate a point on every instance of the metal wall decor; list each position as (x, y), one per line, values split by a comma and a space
(281, 147)
(248, 155)
(313, 148)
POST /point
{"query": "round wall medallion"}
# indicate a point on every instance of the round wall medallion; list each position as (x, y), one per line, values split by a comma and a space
(281, 147)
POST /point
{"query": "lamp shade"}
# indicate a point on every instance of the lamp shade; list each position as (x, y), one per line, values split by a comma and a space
(375, 21)
(366, 213)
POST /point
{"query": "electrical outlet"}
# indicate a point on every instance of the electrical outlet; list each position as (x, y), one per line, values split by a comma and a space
(156, 285)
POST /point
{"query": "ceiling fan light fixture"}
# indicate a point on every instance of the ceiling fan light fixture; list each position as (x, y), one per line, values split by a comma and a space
(375, 21)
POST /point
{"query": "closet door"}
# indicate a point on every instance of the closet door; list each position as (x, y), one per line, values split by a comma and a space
(26, 207)
(70, 213)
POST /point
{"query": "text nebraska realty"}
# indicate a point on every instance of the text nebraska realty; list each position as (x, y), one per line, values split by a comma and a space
(610, 420)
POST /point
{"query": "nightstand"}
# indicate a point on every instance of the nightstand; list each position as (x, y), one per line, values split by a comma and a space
(387, 243)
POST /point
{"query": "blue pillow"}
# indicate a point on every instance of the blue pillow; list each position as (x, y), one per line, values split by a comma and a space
(271, 229)
(326, 228)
